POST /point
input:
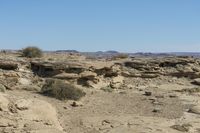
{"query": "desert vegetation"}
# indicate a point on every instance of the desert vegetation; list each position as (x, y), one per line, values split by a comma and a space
(61, 90)
(31, 52)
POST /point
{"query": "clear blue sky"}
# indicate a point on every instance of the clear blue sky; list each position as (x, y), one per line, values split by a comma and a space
(93, 25)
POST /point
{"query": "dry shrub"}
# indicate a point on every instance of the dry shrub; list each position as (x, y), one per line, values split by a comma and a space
(31, 52)
(61, 90)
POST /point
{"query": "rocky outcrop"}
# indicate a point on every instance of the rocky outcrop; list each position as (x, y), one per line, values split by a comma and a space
(166, 66)
(8, 65)
(49, 69)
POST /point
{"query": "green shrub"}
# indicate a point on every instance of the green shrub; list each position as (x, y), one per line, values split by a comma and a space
(61, 90)
(31, 52)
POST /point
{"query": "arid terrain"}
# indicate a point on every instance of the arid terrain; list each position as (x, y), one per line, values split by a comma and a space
(122, 95)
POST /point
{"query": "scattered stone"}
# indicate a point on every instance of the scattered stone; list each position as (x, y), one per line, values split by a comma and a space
(12, 108)
(65, 107)
(156, 110)
(173, 96)
(76, 104)
(106, 122)
(23, 104)
(153, 99)
(2, 88)
(130, 86)
(182, 128)
(141, 88)
(160, 96)
(148, 93)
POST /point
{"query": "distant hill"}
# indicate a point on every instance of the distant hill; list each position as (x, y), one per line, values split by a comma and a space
(102, 54)
(194, 54)
(67, 51)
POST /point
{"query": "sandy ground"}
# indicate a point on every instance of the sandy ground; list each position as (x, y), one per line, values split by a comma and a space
(163, 104)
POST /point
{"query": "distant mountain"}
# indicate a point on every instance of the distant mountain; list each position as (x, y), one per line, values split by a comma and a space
(112, 52)
(67, 51)
(194, 54)
(149, 54)
(100, 54)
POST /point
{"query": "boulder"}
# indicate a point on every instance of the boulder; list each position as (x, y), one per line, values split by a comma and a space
(76, 104)
(23, 104)
(117, 82)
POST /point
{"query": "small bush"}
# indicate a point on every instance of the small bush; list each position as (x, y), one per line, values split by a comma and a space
(61, 90)
(31, 52)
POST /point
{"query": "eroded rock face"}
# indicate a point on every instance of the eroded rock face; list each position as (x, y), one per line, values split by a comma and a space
(8, 65)
(167, 66)
(196, 81)
(32, 115)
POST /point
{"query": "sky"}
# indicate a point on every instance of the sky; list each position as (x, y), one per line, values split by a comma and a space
(101, 25)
